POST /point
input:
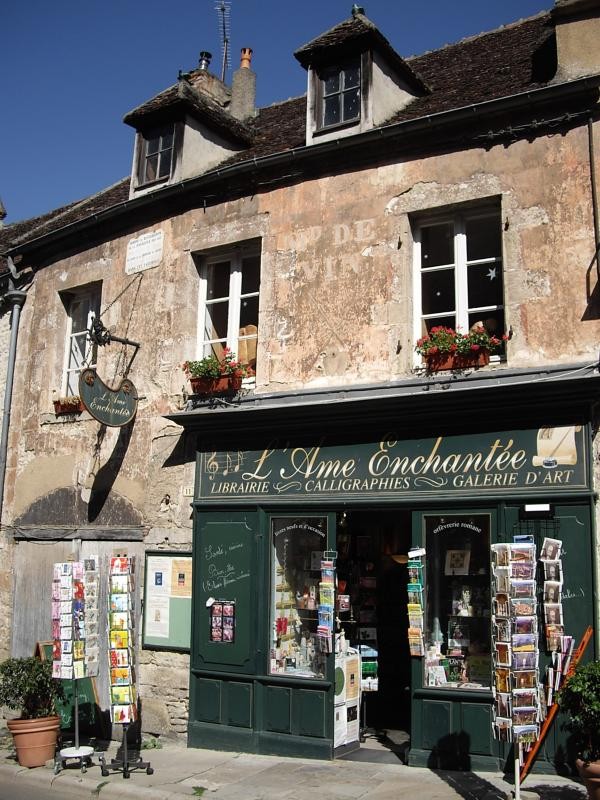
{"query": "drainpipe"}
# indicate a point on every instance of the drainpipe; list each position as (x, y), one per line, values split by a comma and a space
(594, 195)
(16, 299)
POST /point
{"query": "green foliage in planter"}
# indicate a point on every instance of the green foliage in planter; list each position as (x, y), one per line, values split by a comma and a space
(27, 685)
(579, 699)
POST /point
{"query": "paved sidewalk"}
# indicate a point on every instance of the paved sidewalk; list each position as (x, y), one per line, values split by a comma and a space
(182, 772)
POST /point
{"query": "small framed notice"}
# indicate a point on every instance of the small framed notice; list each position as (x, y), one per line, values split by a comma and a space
(167, 600)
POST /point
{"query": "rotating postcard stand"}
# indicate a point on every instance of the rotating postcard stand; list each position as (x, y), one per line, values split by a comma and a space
(75, 640)
(121, 663)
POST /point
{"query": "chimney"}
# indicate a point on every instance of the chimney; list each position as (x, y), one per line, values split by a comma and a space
(204, 60)
(243, 88)
(577, 25)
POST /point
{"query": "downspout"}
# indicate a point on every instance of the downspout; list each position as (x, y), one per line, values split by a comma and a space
(595, 558)
(594, 195)
(16, 299)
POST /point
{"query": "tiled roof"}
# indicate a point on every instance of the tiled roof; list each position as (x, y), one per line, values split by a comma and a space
(508, 61)
(350, 36)
(183, 97)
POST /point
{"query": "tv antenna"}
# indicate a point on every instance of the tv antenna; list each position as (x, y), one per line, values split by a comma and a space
(223, 8)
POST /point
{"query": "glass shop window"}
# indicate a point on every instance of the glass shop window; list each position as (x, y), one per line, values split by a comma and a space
(297, 548)
(458, 610)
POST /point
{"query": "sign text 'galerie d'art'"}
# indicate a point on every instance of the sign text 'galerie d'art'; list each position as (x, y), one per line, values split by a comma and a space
(544, 459)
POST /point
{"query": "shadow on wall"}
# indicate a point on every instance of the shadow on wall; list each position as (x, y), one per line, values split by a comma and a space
(108, 472)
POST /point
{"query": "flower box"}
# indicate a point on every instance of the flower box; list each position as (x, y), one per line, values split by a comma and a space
(446, 361)
(70, 405)
(228, 384)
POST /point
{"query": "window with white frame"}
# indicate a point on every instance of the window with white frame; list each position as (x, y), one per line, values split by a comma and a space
(155, 154)
(229, 291)
(82, 307)
(458, 271)
(339, 94)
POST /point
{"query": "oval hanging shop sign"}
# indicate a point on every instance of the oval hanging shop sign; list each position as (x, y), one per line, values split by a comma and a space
(113, 407)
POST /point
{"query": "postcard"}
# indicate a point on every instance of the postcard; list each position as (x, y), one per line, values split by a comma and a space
(119, 584)
(552, 592)
(525, 716)
(228, 633)
(502, 676)
(522, 588)
(120, 694)
(66, 672)
(119, 640)
(79, 670)
(553, 614)
(501, 605)
(523, 642)
(503, 729)
(503, 704)
(553, 571)
(216, 609)
(119, 620)
(503, 654)
(119, 602)
(522, 569)
(78, 650)
(500, 555)
(551, 549)
(123, 714)
(522, 698)
(523, 606)
(525, 679)
(525, 624)
(522, 552)
(502, 631)
(501, 579)
(525, 734)
(554, 633)
(119, 565)
(525, 660)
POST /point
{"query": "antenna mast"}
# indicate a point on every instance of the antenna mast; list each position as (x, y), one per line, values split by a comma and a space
(223, 9)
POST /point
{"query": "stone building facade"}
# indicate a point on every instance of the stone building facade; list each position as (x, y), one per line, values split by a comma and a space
(483, 150)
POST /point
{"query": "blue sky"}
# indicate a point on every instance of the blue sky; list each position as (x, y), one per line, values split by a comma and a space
(70, 70)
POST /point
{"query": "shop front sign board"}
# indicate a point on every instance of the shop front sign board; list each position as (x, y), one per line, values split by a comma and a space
(547, 459)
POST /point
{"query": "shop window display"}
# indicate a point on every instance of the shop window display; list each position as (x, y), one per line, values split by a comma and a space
(298, 545)
(458, 613)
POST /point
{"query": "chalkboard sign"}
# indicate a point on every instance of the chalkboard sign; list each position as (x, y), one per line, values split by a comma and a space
(224, 577)
(167, 600)
(89, 711)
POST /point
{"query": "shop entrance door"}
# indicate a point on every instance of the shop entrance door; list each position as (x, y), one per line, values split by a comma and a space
(372, 547)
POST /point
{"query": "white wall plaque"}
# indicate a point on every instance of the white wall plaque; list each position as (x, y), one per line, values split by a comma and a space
(144, 252)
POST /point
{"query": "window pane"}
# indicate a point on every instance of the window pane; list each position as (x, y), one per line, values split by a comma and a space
(437, 245)
(250, 274)
(331, 82)
(152, 145)
(493, 322)
(437, 290)
(351, 76)
(166, 140)
(249, 311)
(297, 546)
(484, 285)
(78, 311)
(332, 110)
(72, 387)
(351, 104)
(151, 167)
(216, 320)
(457, 625)
(217, 280)
(77, 352)
(165, 164)
(434, 322)
(484, 239)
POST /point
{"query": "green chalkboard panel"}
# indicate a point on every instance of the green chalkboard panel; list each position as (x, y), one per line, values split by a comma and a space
(224, 574)
(89, 711)
(167, 613)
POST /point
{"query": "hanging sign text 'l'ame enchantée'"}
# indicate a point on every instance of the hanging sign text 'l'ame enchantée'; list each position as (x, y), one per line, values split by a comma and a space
(113, 407)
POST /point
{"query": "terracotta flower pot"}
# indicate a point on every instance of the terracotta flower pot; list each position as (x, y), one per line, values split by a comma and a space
(67, 408)
(35, 739)
(589, 772)
(445, 361)
(228, 384)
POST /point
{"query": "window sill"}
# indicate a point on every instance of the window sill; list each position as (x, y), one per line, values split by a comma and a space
(339, 126)
(151, 184)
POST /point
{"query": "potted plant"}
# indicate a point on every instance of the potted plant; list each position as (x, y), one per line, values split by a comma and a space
(446, 348)
(68, 404)
(27, 686)
(209, 375)
(579, 699)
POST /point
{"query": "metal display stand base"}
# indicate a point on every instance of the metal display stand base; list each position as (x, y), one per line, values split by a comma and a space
(82, 754)
(122, 764)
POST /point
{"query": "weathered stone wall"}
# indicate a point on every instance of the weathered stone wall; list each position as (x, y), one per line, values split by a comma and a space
(335, 309)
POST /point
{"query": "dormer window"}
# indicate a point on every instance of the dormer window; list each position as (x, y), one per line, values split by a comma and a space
(340, 94)
(156, 155)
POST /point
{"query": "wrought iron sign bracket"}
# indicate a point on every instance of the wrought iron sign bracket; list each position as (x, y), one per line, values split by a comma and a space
(100, 335)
